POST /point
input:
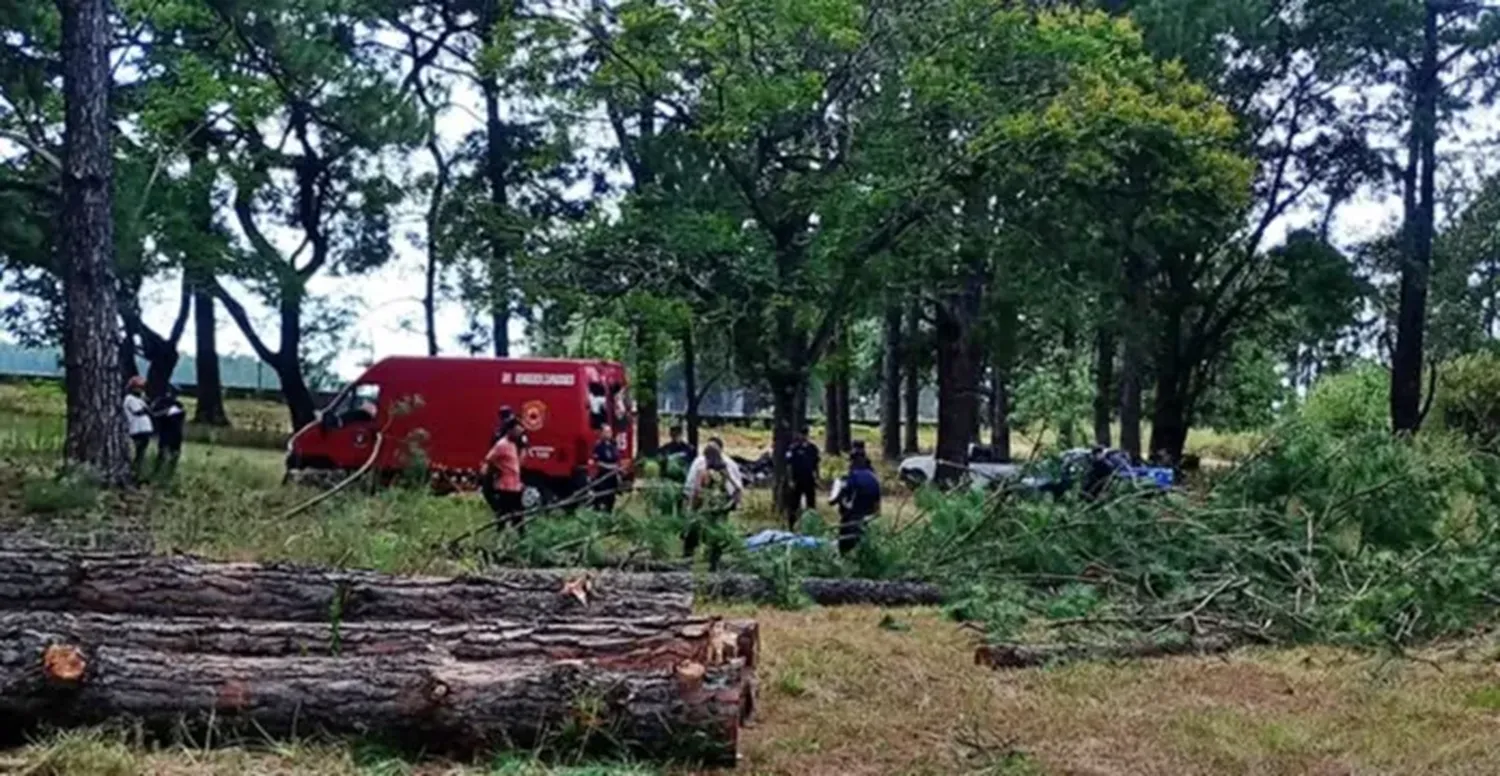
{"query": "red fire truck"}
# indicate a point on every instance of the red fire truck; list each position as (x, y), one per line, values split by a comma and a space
(446, 409)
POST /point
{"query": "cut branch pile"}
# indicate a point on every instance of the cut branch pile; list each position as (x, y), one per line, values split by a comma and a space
(608, 662)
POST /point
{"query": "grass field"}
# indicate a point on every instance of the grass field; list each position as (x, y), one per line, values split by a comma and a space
(843, 691)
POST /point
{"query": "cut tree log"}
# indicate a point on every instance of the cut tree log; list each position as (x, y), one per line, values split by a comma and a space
(1036, 655)
(188, 587)
(825, 592)
(434, 704)
(658, 643)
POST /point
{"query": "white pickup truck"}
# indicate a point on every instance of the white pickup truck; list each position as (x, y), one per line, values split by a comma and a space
(983, 470)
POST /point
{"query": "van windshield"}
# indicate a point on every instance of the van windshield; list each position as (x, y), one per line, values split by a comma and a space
(359, 402)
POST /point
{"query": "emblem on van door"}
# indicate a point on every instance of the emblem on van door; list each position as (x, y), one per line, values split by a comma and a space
(361, 438)
(534, 415)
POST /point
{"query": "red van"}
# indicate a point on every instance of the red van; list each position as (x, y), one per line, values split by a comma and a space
(447, 408)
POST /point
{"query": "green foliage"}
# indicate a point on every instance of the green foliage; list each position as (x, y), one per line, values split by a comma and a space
(67, 493)
(1468, 400)
(1350, 402)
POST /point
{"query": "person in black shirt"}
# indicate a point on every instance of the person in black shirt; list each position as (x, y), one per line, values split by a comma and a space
(607, 458)
(803, 460)
(677, 453)
(169, 416)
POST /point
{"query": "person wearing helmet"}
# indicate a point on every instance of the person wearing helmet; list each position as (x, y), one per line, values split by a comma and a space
(138, 420)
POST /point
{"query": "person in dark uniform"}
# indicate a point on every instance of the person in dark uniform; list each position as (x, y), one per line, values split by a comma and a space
(169, 417)
(859, 502)
(803, 460)
(607, 459)
(677, 453)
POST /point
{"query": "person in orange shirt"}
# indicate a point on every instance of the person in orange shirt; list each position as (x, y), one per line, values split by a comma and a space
(501, 480)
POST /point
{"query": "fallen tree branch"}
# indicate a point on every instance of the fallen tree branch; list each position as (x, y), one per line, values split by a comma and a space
(1035, 655)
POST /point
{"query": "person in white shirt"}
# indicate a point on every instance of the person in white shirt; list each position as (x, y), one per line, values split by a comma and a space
(138, 419)
(712, 460)
(713, 490)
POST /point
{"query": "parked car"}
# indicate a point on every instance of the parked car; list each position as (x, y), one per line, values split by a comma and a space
(984, 469)
(1092, 470)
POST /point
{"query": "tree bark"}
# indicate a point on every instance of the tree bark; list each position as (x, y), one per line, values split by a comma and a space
(844, 413)
(1038, 655)
(788, 410)
(690, 383)
(184, 587)
(206, 360)
(912, 397)
(428, 703)
(497, 141)
(833, 443)
(647, 384)
(1420, 207)
(199, 272)
(653, 643)
(1104, 386)
(95, 435)
(1000, 412)
(890, 386)
(958, 379)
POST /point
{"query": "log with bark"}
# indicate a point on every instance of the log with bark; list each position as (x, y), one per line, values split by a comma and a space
(826, 592)
(188, 587)
(662, 642)
(1036, 655)
(431, 703)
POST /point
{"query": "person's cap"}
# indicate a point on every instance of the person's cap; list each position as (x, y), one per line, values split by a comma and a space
(675, 429)
(806, 430)
(136, 382)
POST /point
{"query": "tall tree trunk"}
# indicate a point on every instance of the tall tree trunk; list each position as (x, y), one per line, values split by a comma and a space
(91, 339)
(844, 415)
(690, 382)
(832, 442)
(912, 395)
(890, 386)
(1067, 431)
(496, 142)
(198, 274)
(958, 370)
(1000, 411)
(647, 385)
(1133, 364)
(788, 410)
(206, 357)
(1411, 320)
(288, 365)
(1173, 400)
(1104, 385)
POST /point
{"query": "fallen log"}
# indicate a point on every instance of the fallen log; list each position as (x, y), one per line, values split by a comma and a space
(426, 703)
(825, 592)
(187, 587)
(1037, 655)
(658, 643)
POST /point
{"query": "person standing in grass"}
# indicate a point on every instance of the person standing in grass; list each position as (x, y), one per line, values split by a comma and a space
(803, 460)
(170, 417)
(859, 502)
(500, 480)
(138, 418)
(713, 489)
(676, 455)
(607, 463)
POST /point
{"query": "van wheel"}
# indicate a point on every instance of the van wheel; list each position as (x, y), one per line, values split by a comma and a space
(533, 496)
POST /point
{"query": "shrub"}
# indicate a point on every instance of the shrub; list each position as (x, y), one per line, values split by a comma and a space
(1350, 402)
(1468, 400)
